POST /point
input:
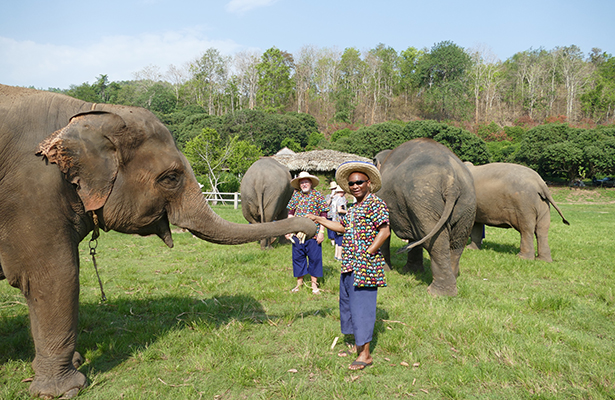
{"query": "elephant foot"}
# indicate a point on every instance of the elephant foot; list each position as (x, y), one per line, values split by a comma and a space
(438, 291)
(526, 256)
(544, 258)
(67, 386)
(473, 246)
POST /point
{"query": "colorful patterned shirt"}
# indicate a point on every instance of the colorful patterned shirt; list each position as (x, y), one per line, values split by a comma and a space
(302, 204)
(361, 224)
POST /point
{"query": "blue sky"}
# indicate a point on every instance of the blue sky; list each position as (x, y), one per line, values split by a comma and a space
(58, 43)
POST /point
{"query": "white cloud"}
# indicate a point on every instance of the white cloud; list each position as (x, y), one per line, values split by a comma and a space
(26, 63)
(242, 6)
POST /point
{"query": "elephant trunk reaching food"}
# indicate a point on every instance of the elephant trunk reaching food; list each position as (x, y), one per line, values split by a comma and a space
(195, 215)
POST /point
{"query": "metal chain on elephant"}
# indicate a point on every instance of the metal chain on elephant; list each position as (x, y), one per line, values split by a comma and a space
(93, 244)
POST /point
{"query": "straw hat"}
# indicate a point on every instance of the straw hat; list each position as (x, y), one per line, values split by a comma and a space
(369, 169)
(338, 188)
(332, 186)
(305, 175)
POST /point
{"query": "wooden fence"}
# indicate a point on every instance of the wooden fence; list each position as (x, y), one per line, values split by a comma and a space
(215, 198)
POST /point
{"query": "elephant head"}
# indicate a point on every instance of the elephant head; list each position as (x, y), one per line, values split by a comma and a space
(127, 170)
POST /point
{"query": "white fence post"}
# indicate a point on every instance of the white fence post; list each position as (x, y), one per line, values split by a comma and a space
(221, 197)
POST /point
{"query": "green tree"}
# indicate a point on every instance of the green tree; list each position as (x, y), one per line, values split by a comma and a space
(291, 144)
(533, 145)
(347, 91)
(212, 157)
(598, 103)
(370, 140)
(274, 84)
(443, 76)
(467, 146)
(564, 159)
(209, 79)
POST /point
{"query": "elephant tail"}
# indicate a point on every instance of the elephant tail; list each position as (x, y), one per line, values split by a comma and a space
(448, 209)
(261, 208)
(546, 195)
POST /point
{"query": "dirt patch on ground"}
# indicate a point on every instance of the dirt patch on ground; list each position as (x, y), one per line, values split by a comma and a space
(583, 195)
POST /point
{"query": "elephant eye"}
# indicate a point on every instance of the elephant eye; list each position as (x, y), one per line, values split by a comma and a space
(170, 180)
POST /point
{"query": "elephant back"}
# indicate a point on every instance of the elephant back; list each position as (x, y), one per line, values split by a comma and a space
(265, 190)
(418, 178)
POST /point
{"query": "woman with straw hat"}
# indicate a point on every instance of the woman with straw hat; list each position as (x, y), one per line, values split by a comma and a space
(307, 200)
(365, 227)
(328, 199)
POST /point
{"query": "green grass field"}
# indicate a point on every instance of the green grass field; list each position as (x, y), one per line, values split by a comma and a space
(205, 321)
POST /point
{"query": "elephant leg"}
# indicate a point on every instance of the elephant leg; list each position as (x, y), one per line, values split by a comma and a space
(477, 236)
(444, 280)
(455, 257)
(527, 244)
(542, 237)
(386, 252)
(53, 302)
(415, 260)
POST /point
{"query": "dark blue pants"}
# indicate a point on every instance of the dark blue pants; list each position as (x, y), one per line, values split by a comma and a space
(301, 253)
(357, 309)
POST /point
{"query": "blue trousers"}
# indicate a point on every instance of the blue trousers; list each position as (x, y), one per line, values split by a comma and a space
(357, 309)
(301, 253)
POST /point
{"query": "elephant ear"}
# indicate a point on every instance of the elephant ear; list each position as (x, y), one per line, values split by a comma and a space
(85, 153)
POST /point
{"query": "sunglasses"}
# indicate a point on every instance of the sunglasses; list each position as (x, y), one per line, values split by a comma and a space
(351, 184)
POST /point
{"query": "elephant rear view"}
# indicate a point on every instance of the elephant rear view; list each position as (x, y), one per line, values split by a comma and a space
(265, 192)
(513, 196)
(432, 204)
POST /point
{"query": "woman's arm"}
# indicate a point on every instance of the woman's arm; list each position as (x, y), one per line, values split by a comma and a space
(333, 225)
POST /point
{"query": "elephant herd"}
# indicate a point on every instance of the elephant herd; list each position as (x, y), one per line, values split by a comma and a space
(69, 167)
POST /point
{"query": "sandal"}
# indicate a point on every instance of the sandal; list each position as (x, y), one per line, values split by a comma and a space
(295, 289)
(359, 365)
(316, 291)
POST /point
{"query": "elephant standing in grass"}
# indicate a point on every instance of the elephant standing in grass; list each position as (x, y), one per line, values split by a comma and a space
(265, 192)
(67, 168)
(431, 200)
(513, 196)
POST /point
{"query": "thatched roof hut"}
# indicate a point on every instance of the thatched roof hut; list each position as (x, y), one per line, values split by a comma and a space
(323, 161)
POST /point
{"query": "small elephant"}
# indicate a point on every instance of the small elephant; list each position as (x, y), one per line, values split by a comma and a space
(513, 196)
(68, 168)
(431, 200)
(265, 192)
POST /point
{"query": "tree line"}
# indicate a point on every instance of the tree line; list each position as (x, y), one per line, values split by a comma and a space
(362, 102)
(356, 88)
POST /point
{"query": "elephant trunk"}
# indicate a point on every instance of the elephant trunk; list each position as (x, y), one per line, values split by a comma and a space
(193, 213)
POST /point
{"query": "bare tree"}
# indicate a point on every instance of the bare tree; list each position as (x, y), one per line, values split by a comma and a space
(245, 63)
(326, 79)
(485, 81)
(304, 76)
(178, 76)
(575, 73)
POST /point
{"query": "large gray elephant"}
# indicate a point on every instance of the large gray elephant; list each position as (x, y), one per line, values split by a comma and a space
(68, 168)
(431, 200)
(513, 196)
(265, 192)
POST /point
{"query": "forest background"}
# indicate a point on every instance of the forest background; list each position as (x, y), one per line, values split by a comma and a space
(552, 110)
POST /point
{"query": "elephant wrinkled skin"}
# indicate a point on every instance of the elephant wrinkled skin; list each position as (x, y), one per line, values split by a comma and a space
(513, 196)
(65, 164)
(265, 192)
(431, 200)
